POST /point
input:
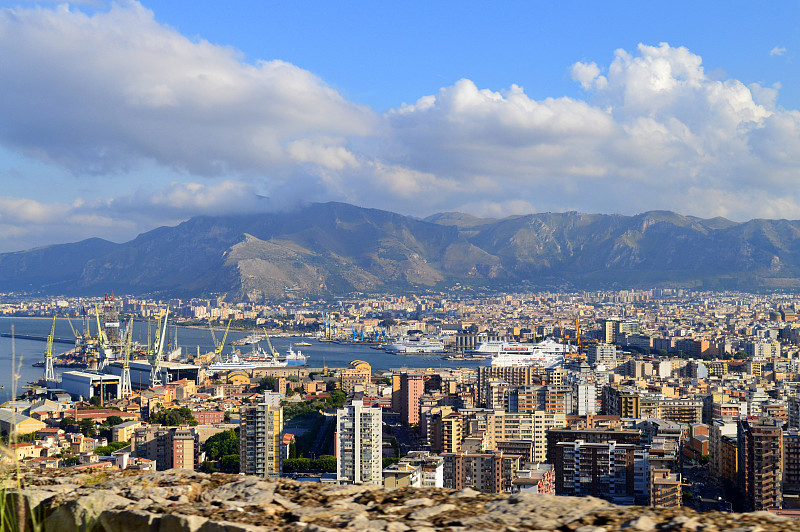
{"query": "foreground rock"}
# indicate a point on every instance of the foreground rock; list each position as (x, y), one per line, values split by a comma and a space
(179, 500)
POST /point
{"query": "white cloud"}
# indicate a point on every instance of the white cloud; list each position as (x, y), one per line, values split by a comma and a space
(114, 94)
(778, 50)
(588, 75)
(657, 132)
(102, 93)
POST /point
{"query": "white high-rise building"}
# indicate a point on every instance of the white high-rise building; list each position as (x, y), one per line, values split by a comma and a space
(359, 444)
(587, 398)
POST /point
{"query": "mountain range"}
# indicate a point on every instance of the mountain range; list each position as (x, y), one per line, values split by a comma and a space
(332, 249)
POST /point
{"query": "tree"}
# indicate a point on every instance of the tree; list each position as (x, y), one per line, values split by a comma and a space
(326, 463)
(221, 444)
(229, 463)
(336, 399)
(88, 427)
(292, 449)
(267, 383)
(67, 422)
(174, 417)
(740, 355)
(113, 421)
(112, 447)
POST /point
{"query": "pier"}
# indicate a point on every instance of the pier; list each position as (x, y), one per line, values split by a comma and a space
(37, 337)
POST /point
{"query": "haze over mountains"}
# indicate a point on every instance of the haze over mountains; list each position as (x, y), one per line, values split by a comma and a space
(335, 248)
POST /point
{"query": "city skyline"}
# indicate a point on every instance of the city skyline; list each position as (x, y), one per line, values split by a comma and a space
(119, 118)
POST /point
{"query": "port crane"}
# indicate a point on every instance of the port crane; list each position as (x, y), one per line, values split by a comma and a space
(272, 350)
(219, 346)
(157, 353)
(125, 378)
(49, 372)
(102, 343)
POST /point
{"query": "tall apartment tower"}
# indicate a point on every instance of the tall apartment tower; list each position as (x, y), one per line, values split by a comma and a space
(412, 386)
(359, 444)
(760, 462)
(260, 430)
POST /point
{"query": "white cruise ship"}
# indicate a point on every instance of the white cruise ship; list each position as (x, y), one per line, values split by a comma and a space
(547, 353)
(406, 346)
(234, 362)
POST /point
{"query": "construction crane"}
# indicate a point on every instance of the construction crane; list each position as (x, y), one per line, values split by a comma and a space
(125, 378)
(272, 350)
(49, 372)
(157, 353)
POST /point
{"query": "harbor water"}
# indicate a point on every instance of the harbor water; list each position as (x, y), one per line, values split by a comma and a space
(319, 354)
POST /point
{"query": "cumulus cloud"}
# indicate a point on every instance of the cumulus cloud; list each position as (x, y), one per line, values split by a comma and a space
(107, 94)
(102, 93)
(588, 75)
(778, 50)
(656, 132)
(119, 218)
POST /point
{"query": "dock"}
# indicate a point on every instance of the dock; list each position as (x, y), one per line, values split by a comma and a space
(39, 338)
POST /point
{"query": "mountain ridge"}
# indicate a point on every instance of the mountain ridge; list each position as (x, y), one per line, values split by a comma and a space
(332, 249)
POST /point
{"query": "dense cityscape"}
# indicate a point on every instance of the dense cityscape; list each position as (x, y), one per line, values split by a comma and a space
(661, 397)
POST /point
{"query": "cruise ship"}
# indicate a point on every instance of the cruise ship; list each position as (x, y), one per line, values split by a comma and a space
(231, 364)
(547, 353)
(407, 346)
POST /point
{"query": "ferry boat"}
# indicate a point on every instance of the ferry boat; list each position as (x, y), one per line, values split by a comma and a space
(407, 346)
(547, 353)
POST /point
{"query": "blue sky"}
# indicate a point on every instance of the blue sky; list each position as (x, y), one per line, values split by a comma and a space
(118, 118)
(383, 53)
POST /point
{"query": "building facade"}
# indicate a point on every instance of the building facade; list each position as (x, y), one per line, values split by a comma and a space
(760, 463)
(260, 438)
(359, 444)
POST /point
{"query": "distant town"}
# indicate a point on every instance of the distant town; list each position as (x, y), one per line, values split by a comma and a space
(662, 397)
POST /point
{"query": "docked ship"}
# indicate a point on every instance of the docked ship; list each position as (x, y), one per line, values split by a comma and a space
(233, 363)
(407, 346)
(294, 358)
(547, 353)
(249, 340)
(260, 358)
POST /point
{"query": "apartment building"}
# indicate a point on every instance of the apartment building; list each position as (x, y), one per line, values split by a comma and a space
(615, 471)
(359, 444)
(665, 488)
(168, 447)
(489, 472)
(760, 443)
(533, 426)
(260, 437)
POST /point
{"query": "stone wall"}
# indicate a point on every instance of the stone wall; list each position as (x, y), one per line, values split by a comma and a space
(107, 500)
